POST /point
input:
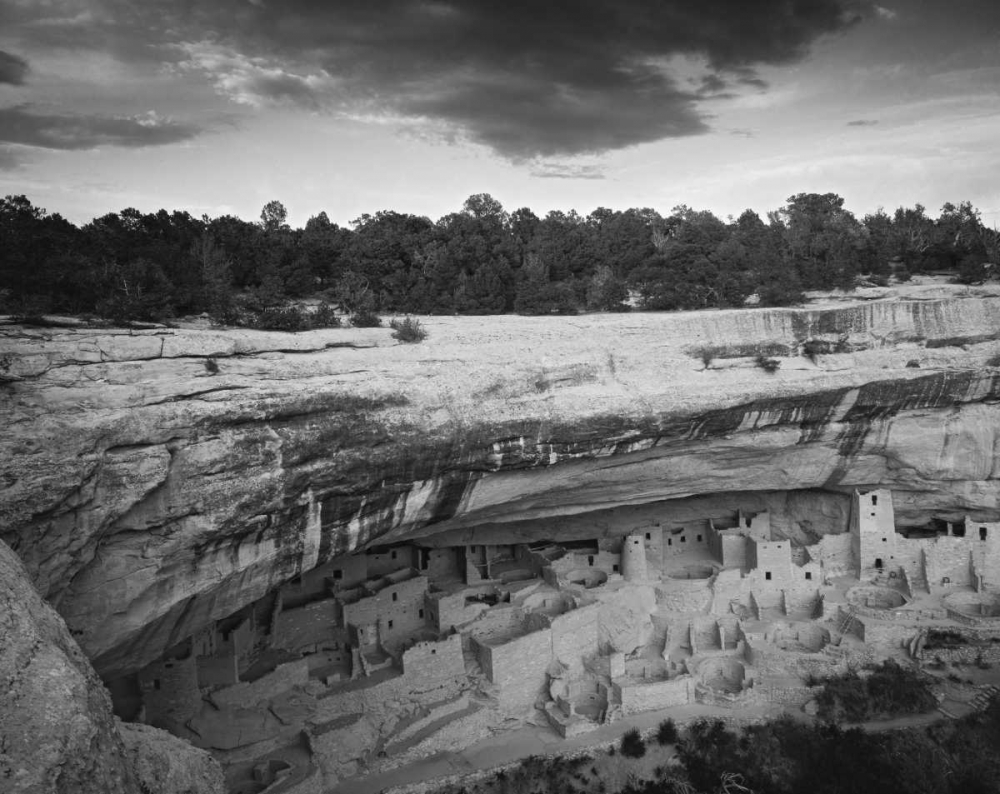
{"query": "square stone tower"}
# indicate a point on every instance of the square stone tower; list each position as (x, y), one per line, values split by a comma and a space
(873, 532)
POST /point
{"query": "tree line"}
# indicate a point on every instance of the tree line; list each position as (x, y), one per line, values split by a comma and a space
(480, 260)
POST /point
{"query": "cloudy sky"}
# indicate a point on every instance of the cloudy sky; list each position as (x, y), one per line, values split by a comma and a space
(352, 106)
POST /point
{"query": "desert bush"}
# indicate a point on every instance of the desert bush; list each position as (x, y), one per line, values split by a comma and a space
(211, 366)
(666, 733)
(812, 348)
(366, 320)
(633, 745)
(767, 364)
(913, 364)
(889, 690)
(324, 316)
(408, 330)
(707, 355)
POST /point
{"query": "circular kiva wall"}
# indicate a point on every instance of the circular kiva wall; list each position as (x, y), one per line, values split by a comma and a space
(872, 597)
(693, 572)
(587, 577)
(802, 638)
(549, 603)
(976, 605)
(723, 674)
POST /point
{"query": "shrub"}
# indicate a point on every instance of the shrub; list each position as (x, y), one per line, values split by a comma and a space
(408, 330)
(888, 691)
(366, 319)
(211, 366)
(914, 364)
(323, 316)
(666, 733)
(707, 355)
(812, 348)
(633, 745)
(767, 364)
(281, 318)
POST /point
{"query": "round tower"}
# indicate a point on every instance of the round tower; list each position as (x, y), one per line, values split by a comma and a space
(633, 558)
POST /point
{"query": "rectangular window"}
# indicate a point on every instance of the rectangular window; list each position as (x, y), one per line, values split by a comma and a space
(590, 560)
(390, 624)
(699, 538)
(338, 574)
(420, 613)
(670, 542)
(809, 574)
(649, 536)
(156, 683)
(614, 569)
(767, 574)
(874, 499)
(684, 539)
(395, 596)
(394, 555)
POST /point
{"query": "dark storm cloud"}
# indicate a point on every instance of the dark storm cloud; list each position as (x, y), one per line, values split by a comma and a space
(862, 123)
(12, 69)
(21, 125)
(524, 78)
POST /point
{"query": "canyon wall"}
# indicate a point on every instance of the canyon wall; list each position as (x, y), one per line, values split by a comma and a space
(154, 480)
(57, 732)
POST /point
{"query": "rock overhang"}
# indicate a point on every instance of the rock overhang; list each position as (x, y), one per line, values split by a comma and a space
(148, 496)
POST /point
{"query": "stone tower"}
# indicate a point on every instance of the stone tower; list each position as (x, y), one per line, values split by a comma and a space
(634, 558)
(873, 531)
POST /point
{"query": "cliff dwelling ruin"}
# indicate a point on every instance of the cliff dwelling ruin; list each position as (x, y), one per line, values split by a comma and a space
(384, 656)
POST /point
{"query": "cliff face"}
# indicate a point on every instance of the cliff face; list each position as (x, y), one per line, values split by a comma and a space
(57, 732)
(159, 479)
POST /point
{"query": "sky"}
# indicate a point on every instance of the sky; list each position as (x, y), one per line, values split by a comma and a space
(354, 106)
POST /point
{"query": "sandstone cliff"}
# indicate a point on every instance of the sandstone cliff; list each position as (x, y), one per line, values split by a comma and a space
(57, 733)
(155, 480)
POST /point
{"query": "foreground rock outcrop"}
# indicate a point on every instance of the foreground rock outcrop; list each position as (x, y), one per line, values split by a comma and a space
(57, 732)
(157, 480)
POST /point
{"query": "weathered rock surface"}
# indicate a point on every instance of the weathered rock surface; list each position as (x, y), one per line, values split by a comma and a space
(148, 494)
(57, 732)
(167, 765)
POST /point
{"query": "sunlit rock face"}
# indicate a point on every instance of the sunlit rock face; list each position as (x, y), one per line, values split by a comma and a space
(157, 480)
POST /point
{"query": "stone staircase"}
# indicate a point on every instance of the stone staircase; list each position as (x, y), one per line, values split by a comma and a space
(986, 696)
(846, 620)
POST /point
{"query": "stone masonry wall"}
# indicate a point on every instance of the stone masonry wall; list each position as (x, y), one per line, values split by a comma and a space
(636, 698)
(307, 625)
(520, 670)
(281, 679)
(434, 661)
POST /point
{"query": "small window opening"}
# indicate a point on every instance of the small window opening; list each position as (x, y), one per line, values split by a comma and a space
(684, 539)
(670, 542)
(959, 530)
(395, 596)
(420, 613)
(649, 536)
(338, 574)
(390, 624)
(433, 651)
(614, 569)
(156, 683)
(884, 540)
(878, 563)
(982, 533)
(809, 574)
(699, 538)
(874, 499)
(394, 555)
(767, 575)
(590, 560)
